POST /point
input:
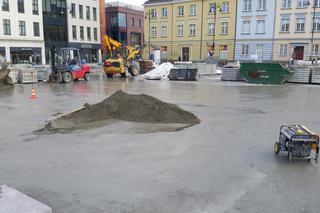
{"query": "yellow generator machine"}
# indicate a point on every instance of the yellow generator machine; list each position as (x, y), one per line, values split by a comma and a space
(121, 59)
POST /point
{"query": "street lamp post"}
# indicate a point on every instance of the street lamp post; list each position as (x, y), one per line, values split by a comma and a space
(313, 27)
(215, 24)
(147, 16)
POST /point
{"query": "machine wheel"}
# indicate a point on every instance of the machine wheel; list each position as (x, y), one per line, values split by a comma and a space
(135, 69)
(123, 75)
(109, 75)
(277, 148)
(67, 77)
(86, 76)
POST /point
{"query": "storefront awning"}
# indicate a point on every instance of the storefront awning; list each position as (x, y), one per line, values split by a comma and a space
(17, 49)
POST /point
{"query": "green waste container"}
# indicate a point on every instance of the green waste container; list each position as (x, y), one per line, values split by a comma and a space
(264, 73)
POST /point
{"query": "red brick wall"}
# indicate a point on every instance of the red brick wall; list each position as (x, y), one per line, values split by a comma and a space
(103, 25)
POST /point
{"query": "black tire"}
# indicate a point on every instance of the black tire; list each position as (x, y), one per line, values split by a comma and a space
(277, 148)
(67, 77)
(86, 76)
(124, 75)
(109, 75)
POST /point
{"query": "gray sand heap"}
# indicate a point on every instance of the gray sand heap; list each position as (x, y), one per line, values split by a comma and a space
(129, 108)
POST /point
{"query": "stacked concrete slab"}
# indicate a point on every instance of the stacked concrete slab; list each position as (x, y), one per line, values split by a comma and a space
(12, 201)
(231, 74)
(301, 74)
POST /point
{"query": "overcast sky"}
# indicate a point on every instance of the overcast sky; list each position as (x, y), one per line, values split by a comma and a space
(134, 2)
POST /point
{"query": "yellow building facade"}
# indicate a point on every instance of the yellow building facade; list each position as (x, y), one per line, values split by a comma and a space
(187, 29)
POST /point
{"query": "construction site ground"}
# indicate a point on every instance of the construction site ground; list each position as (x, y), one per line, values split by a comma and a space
(224, 164)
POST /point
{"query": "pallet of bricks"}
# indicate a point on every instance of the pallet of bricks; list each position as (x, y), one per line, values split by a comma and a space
(23, 74)
(305, 75)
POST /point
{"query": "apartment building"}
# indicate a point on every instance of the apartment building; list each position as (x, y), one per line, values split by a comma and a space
(84, 28)
(21, 31)
(297, 30)
(255, 30)
(189, 29)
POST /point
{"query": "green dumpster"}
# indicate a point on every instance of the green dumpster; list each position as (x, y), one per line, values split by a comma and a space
(264, 73)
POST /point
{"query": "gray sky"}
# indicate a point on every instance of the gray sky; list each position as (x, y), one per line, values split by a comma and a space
(134, 2)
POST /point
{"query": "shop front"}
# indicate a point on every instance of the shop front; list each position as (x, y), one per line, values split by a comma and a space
(88, 52)
(25, 55)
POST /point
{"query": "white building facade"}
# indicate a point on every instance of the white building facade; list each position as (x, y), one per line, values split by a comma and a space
(21, 31)
(84, 28)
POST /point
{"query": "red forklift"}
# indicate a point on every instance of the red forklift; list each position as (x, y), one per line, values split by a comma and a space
(67, 66)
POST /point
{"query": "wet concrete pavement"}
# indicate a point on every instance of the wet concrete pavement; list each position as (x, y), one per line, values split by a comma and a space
(224, 164)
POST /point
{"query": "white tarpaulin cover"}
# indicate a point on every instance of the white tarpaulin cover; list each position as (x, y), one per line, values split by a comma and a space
(162, 71)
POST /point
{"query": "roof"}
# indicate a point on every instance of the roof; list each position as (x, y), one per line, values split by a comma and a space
(156, 1)
(124, 5)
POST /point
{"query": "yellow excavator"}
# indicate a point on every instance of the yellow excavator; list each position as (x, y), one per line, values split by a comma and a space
(121, 59)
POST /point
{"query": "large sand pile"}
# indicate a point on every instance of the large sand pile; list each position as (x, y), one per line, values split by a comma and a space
(125, 107)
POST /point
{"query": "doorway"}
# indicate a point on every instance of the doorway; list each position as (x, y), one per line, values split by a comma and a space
(259, 52)
(298, 53)
(185, 53)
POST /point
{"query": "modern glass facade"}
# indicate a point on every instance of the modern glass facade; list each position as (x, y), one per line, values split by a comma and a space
(55, 25)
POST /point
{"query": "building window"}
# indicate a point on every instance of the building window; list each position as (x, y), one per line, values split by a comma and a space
(262, 4)
(35, 7)
(193, 10)
(246, 27)
(180, 30)
(302, 3)
(283, 49)
(180, 11)
(36, 29)
(89, 33)
(285, 25)
(245, 49)
(317, 3)
(153, 13)
(132, 22)
(315, 50)
(94, 13)
(212, 7)
(21, 6)
(316, 25)
(22, 28)
(81, 11)
(211, 28)
(95, 34)
(192, 31)
(74, 32)
(73, 10)
(286, 4)
(140, 22)
(153, 31)
(225, 7)
(5, 5)
(247, 5)
(6, 27)
(300, 24)
(81, 33)
(261, 25)
(88, 12)
(164, 12)
(164, 31)
(225, 27)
